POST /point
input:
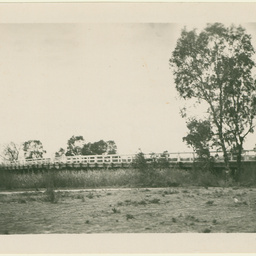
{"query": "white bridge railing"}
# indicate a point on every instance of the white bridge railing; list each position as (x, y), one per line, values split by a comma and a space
(248, 155)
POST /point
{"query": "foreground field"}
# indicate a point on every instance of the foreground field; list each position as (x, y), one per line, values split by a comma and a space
(158, 210)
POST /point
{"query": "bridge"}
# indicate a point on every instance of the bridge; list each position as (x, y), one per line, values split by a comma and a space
(184, 160)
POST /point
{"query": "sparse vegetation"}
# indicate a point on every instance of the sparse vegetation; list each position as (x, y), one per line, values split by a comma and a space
(170, 192)
(154, 201)
(129, 211)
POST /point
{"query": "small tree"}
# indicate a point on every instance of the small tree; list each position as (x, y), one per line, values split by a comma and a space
(163, 162)
(140, 161)
(86, 150)
(111, 147)
(100, 147)
(147, 172)
(75, 145)
(11, 152)
(199, 138)
(60, 152)
(33, 149)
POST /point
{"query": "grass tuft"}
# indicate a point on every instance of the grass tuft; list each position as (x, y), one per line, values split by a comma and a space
(210, 202)
(90, 195)
(114, 210)
(129, 216)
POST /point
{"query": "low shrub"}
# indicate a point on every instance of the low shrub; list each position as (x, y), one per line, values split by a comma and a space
(207, 230)
(51, 196)
(205, 178)
(248, 175)
(140, 162)
(7, 180)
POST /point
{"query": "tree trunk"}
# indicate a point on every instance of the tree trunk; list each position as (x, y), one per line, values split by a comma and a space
(225, 155)
(226, 161)
(239, 161)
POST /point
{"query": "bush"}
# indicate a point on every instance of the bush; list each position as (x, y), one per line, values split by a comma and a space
(248, 175)
(204, 164)
(140, 162)
(205, 178)
(7, 180)
(51, 196)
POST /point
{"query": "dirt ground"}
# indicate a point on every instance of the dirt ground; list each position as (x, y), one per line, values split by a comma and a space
(163, 210)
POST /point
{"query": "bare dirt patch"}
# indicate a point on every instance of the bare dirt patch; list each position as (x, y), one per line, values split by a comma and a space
(163, 210)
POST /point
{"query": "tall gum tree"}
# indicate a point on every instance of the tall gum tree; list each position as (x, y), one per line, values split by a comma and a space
(215, 66)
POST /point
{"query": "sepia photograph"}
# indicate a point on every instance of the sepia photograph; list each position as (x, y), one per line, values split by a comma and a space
(113, 126)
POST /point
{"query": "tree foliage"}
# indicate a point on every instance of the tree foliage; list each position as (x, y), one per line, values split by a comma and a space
(215, 67)
(75, 145)
(60, 152)
(86, 150)
(111, 147)
(33, 149)
(100, 147)
(199, 137)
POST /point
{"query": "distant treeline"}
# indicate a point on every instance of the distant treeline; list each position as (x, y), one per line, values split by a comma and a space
(76, 145)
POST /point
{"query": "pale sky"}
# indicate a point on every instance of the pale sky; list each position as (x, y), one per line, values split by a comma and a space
(101, 81)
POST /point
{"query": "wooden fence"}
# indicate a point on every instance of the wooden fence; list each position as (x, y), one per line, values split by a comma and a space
(181, 159)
